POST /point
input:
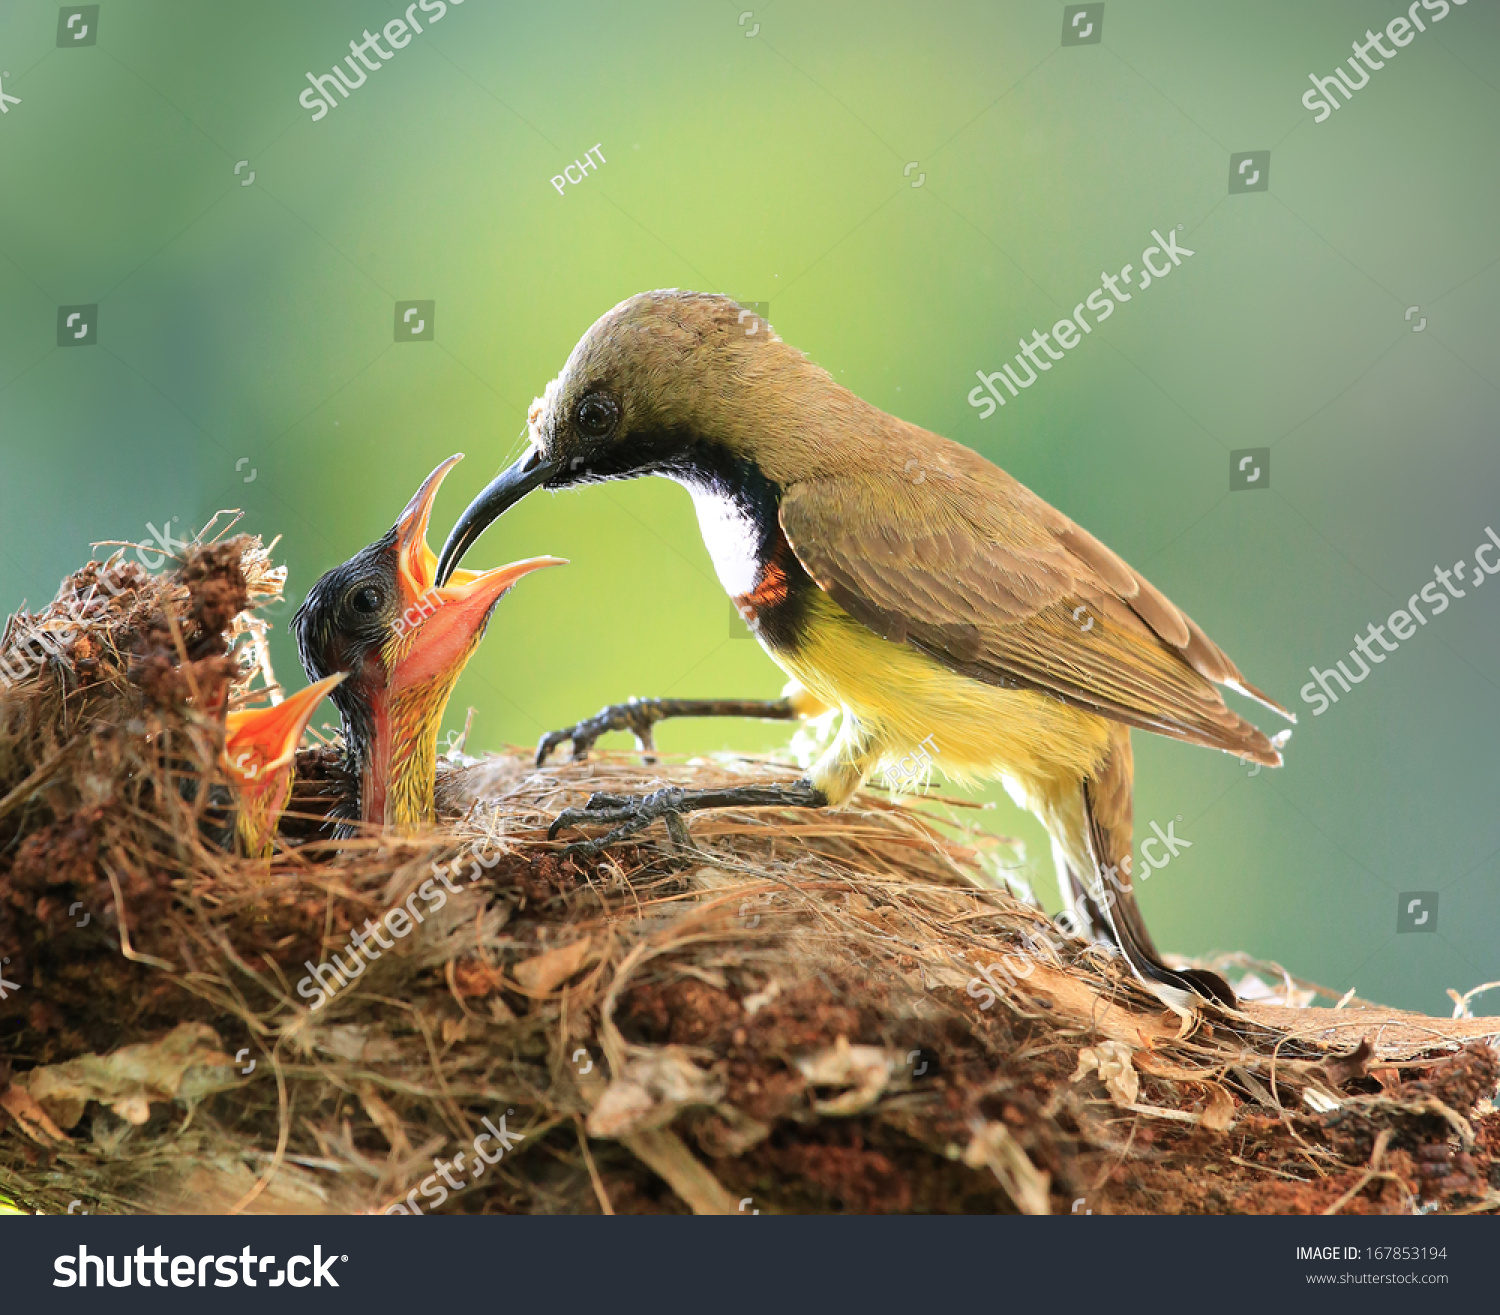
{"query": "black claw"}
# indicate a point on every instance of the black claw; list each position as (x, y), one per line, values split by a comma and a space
(594, 813)
(632, 813)
(682, 837)
(563, 819)
(583, 848)
(636, 812)
(547, 744)
(636, 716)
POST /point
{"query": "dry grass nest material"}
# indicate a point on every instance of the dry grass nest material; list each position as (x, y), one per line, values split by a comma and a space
(792, 1010)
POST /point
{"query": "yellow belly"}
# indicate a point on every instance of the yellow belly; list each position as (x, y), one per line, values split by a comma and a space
(903, 699)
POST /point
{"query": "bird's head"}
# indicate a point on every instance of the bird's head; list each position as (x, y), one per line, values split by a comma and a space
(260, 748)
(403, 640)
(666, 383)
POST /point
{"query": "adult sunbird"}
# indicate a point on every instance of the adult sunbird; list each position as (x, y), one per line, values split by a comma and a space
(403, 640)
(896, 576)
(259, 756)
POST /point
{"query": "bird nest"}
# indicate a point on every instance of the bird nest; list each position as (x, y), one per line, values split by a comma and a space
(779, 1011)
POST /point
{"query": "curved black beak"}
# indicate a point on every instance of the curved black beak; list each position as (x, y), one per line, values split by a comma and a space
(504, 491)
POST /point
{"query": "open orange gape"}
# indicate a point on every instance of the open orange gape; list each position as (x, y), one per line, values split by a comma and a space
(402, 640)
(260, 748)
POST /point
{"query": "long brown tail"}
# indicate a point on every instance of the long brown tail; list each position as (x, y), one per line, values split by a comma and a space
(1107, 808)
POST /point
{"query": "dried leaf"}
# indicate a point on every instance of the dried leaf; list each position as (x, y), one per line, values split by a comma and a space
(186, 1064)
(1218, 1113)
(32, 1118)
(454, 1030)
(655, 1085)
(473, 977)
(732, 1134)
(1346, 1068)
(354, 1043)
(753, 1004)
(1111, 1060)
(867, 1069)
(386, 1119)
(994, 1147)
(539, 975)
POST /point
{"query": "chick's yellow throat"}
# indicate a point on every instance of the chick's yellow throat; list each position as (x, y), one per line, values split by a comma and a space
(414, 718)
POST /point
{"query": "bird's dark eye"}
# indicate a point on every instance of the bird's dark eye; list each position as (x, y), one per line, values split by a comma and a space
(367, 599)
(597, 414)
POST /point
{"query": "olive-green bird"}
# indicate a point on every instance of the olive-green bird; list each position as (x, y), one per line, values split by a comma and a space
(895, 576)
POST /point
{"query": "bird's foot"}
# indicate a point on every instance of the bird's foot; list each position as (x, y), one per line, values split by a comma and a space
(628, 814)
(637, 716)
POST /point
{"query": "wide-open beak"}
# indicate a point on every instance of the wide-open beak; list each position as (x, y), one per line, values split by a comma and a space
(504, 491)
(260, 745)
(439, 625)
(260, 742)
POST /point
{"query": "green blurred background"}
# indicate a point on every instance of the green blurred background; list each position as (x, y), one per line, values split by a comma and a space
(246, 354)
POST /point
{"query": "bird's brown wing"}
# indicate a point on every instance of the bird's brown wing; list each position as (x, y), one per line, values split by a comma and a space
(954, 557)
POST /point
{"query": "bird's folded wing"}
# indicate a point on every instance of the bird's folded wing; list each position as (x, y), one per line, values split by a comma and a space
(972, 568)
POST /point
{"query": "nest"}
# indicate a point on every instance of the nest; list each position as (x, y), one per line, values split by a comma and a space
(779, 1011)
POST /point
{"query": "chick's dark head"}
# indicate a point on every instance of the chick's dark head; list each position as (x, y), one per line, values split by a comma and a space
(345, 624)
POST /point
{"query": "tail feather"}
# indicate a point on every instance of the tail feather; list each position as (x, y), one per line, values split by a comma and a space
(1174, 986)
(1242, 686)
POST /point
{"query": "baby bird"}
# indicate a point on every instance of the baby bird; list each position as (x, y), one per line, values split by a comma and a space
(382, 620)
(260, 748)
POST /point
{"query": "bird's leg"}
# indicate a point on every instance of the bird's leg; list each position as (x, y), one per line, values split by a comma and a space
(1113, 894)
(632, 813)
(639, 716)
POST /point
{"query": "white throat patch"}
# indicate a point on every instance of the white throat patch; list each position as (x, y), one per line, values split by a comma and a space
(731, 537)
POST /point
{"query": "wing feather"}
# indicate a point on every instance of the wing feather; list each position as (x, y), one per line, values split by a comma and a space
(974, 569)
